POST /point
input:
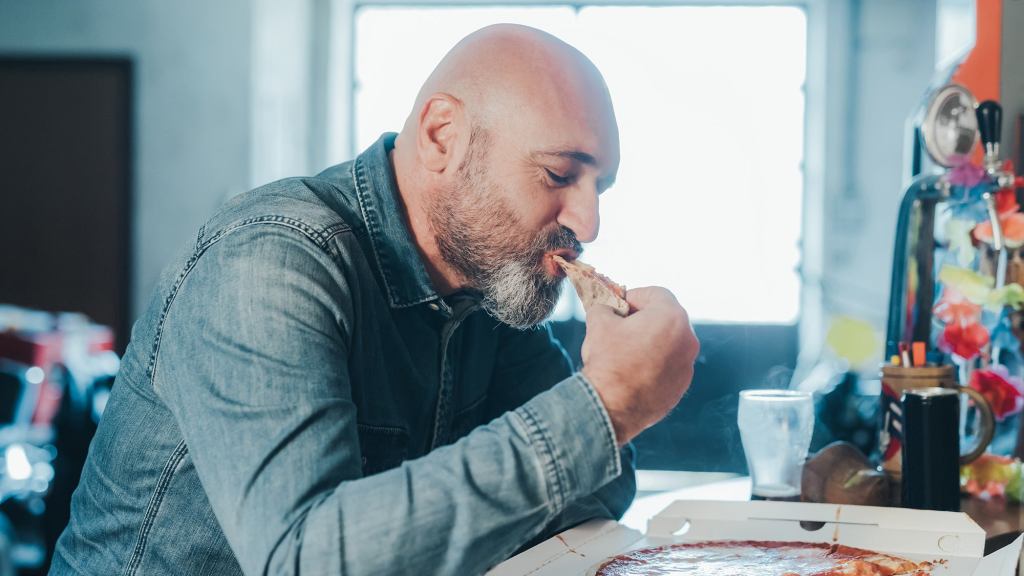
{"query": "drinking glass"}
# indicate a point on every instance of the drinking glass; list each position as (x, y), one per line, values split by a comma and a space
(775, 428)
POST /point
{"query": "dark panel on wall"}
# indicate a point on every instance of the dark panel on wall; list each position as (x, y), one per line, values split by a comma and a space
(65, 189)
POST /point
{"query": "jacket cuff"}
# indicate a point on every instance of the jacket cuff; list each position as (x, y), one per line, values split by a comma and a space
(572, 435)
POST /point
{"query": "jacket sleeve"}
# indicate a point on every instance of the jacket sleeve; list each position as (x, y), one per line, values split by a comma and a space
(530, 362)
(252, 362)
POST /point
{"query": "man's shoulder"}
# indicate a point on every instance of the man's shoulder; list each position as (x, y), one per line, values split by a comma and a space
(317, 207)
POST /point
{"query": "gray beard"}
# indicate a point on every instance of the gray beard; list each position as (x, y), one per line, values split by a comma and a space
(519, 296)
(477, 238)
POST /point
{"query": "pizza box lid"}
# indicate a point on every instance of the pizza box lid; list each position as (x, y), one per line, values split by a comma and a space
(918, 535)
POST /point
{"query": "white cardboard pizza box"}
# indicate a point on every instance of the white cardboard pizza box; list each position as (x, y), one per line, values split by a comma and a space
(919, 535)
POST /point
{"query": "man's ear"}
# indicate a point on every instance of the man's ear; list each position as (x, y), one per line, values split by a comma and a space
(437, 134)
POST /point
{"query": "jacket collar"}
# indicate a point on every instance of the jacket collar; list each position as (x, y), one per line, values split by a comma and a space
(405, 277)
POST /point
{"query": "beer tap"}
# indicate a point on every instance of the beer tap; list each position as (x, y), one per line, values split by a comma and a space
(990, 120)
(951, 125)
(947, 130)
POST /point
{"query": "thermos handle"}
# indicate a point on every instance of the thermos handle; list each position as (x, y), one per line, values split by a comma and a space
(987, 421)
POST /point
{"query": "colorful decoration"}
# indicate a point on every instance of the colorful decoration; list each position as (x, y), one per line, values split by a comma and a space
(1013, 230)
(966, 283)
(973, 311)
(979, 320)
(965, 341)
(1011, 295)
(1006, 201)
(961, 241)
(991, 477)
(953, 307)
(853, 340)
(1005, 394)
(965, 173)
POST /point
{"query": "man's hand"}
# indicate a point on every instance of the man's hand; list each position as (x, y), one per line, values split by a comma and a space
(640, 365)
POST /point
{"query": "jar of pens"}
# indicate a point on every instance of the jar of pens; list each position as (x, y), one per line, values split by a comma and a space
(927, 431)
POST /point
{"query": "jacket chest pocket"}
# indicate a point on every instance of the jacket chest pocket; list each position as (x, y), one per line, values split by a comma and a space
(382, 447)
(469, 417)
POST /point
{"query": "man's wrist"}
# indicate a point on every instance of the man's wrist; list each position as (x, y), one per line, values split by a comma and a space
(618, 419)
(611, 419)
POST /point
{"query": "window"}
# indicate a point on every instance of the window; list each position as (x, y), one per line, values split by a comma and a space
(954, 31)
(710, 102)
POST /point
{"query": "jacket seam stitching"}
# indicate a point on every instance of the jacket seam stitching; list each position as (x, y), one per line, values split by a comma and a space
(552, 470)
(154, 506)
(615, 466)
(369, 220)
(320, 238)
(390, 430)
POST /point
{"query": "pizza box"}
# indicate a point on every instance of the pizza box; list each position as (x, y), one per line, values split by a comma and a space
(918, 535)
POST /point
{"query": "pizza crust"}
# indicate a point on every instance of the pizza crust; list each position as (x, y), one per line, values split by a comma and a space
(593, 287)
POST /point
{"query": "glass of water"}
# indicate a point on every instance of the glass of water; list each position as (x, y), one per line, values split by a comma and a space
(775, 427)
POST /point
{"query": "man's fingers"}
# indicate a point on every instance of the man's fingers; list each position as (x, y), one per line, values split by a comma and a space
(600, 313)
(640, 298)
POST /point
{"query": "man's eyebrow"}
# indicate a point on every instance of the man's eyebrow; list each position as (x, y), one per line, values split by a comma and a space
(583, 158)
(577, 155)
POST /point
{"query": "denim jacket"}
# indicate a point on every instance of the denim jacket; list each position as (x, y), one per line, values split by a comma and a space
(297, 399)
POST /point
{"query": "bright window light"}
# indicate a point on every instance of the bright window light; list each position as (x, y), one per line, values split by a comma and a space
(710, 105)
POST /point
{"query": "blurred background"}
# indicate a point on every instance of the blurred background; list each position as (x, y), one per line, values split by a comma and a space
(764, 148)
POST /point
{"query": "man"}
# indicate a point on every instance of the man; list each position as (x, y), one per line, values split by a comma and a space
(341, 375)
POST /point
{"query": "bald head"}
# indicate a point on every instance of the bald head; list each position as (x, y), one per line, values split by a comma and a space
(505, 70)
(506, 77)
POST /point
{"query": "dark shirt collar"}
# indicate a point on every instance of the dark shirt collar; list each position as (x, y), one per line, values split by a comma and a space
(405, 278)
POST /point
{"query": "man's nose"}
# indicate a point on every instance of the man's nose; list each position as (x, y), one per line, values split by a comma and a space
(580, 213)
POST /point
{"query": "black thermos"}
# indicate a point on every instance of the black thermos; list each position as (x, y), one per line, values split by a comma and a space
(931, 449)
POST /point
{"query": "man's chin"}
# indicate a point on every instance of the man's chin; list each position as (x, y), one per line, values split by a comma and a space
(522, 316)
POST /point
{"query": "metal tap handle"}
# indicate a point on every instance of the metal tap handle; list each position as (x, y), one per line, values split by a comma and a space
(990, 123)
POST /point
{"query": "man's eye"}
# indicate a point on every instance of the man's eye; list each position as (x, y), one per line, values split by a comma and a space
(557, 179)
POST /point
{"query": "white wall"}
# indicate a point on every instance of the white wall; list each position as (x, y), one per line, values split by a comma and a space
(221, 97)
(893, 58)
(282, 70)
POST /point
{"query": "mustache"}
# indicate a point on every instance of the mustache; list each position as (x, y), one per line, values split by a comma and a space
(561, 237)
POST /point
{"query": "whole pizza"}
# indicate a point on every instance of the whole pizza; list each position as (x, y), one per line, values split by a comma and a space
(754, 558)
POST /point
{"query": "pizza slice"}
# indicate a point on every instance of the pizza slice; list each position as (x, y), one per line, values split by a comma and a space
(594, 287)
(886, 564)
(858, 562)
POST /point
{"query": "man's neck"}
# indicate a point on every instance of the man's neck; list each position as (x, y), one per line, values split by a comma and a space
(412, 199)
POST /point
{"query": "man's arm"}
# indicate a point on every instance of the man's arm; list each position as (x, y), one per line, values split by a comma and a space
(530, 362)
(253, 364)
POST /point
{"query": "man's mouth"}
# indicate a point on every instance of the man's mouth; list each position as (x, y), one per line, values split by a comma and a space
(567, 253)
(552, 267)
